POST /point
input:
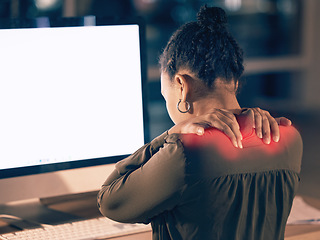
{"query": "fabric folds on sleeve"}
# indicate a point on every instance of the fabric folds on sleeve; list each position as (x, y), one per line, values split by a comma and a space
(145, 184)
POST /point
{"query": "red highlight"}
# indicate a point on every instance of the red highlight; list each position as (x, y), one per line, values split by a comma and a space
(252, 145)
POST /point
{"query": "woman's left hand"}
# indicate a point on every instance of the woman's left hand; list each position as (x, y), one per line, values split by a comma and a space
(266, 125)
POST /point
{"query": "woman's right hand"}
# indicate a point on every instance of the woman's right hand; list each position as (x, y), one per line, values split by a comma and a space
(221, 119)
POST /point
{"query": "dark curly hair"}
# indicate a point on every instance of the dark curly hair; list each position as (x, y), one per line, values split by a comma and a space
(206, 48)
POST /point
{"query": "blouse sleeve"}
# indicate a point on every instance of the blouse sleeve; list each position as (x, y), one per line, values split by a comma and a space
(146, 183)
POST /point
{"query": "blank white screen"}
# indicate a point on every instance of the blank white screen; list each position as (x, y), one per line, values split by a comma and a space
(69, 94)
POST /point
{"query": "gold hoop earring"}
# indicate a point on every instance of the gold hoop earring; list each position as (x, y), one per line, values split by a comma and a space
(188, 107)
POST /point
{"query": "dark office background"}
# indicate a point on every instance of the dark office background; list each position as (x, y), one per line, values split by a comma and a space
(279, 38)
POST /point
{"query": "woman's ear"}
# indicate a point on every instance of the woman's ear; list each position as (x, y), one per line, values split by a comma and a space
(237, 86)
(183, 86)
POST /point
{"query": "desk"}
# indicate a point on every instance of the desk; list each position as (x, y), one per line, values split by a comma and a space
(304, 232)
(84, 205)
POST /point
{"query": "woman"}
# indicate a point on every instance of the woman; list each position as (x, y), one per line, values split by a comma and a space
(203, 187)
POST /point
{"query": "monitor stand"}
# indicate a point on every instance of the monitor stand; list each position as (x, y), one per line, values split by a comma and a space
(36, 212)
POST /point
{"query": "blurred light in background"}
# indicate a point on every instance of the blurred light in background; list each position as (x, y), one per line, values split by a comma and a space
(47, 5)
(146, 6)
(233, 5)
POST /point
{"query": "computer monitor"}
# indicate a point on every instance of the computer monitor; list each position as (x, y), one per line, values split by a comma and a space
(72, 100)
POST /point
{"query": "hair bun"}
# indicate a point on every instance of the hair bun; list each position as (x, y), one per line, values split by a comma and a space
(212, 17)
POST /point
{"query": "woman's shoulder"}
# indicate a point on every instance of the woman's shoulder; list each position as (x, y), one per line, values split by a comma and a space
(214, 152)
(290, 133)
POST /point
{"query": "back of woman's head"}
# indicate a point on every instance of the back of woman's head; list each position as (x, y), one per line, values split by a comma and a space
(204, 47)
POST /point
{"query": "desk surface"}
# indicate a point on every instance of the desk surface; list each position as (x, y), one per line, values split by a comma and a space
(84, 205)
(304, 231)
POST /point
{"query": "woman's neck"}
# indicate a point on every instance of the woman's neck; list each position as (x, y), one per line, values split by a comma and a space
(217, 101)
(223, 96)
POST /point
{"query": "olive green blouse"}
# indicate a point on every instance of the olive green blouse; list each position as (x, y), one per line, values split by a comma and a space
(202, 187)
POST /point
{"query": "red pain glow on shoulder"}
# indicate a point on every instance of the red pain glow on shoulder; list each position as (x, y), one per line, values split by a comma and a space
(252, 145)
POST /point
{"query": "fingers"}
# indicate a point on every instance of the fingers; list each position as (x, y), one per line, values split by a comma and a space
(258, 122)
(231, 127)
(262, 124)
(274, 128)
(223, 120)
(226, 129)
(265, 124)
(197, 128)
(283, 121)
(266, 129)
(226, 122)
(193, 126)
